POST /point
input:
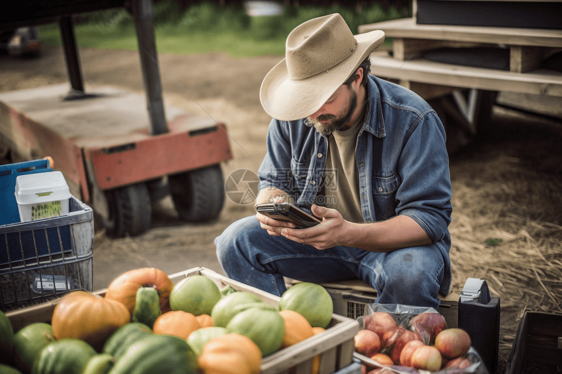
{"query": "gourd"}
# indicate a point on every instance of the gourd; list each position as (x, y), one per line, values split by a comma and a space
(82, 315)
(224, 310)
(230, 354)
(297, 328)
(6, 339)
(176, 323)
(310, 300)
(28, 343)
(124, 337)
(266, 328)
(147, 307)
(63, 356)
(157, 354)
(124, 288)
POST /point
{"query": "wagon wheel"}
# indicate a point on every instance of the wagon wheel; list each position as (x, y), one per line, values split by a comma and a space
(465, 115)
(129, 211)
(198, 195)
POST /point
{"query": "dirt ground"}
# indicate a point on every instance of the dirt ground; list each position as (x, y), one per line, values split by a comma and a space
(507, 186)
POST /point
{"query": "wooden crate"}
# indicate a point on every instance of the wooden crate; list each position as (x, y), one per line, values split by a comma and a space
(538, 344)
(335, 345)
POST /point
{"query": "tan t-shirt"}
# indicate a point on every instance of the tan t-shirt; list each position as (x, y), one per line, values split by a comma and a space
(343, 195)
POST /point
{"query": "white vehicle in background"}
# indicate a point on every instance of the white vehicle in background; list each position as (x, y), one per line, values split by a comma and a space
(23, 41)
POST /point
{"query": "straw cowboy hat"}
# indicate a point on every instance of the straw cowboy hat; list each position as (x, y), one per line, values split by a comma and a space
(321, 54)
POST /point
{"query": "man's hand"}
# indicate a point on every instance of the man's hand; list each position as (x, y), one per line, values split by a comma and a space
(274, 226)
(329, 233)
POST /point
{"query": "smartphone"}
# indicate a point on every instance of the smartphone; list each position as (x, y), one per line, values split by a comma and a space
(288, 212)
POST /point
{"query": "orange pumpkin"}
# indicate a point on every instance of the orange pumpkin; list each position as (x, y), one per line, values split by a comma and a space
(124, 288)
(177, 323)
(316, 359)
(82, 315)
(230, 354)
(297, 328)
(205, 320)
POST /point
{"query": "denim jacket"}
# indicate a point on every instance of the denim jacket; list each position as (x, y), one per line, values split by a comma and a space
(401, 158)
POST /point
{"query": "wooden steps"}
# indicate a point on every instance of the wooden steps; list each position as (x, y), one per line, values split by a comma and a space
(528, 47)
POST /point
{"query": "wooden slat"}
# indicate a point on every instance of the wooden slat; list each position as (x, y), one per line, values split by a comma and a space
(346, 353)
(304, 367)
(428, 91)
(405, 49)
(540, 82)
(328, 361)
(407, 28)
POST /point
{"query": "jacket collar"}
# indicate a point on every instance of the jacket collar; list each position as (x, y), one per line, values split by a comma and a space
(374, 120)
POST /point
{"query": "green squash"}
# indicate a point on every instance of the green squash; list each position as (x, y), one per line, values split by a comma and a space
(198, 338)
(65, 356)
(164, 354)
(123, 337)
(227, 291)
(5, 369)
(147, 307)
(263, 326)
(310, 300)
(28, 343)
(6, 339)
(99, 364)
(225, 309)
(196, 294)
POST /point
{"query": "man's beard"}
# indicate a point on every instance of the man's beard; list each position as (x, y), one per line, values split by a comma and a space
(336, 123)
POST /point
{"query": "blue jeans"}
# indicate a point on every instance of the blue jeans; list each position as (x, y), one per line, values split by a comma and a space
(248, 254)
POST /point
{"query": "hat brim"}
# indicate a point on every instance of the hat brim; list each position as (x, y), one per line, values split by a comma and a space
(286, 99)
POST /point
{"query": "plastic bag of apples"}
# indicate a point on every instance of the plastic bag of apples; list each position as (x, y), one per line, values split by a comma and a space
(405, 339)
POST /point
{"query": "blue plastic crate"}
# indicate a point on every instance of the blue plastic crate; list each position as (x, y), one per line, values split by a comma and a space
(45, 259)
(8, 174)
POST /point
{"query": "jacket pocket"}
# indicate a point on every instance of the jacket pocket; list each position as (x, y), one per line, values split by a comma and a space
(384, 194)
(299, 170)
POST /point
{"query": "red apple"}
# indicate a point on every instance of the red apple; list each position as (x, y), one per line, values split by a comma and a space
(428, 325)
(453, 343)
(382, 359)
(408, 351)
(406, 337)
(458, 363)
(379, 322)
(367, 343)
(381, 371)
(391, 336)
(426, 358)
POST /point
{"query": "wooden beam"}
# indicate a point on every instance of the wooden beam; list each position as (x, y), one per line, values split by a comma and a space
(540, 82)
(407, 28)
(428, 91)
(523, 59)
(406, 48)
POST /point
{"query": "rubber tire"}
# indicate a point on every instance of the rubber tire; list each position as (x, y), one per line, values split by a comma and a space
(198, 195)
(129, 211)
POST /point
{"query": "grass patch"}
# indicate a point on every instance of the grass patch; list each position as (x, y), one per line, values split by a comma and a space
(207, 27)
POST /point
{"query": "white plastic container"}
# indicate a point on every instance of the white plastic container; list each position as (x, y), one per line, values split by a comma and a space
(42, 195)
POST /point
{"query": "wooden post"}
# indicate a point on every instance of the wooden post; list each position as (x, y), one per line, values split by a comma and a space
(523, 59)
(71, 54)
(142, 11)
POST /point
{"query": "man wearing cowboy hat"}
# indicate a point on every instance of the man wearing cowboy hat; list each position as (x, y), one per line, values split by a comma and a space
(373, 153)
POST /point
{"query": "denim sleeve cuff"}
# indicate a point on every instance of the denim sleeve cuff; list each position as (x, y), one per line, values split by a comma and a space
(412, 214)
(268, 184)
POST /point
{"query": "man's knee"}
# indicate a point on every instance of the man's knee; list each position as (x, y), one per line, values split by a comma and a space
(236, 237)
(414, 275)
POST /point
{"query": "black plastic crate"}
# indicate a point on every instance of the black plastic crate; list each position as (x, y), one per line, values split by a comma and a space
(538, 345)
